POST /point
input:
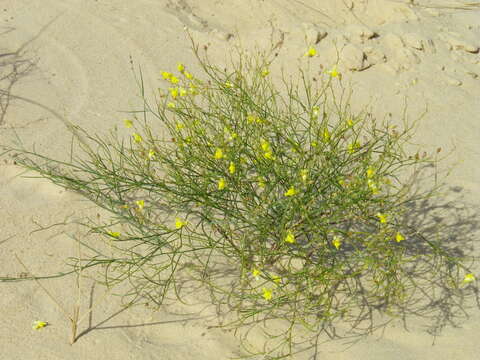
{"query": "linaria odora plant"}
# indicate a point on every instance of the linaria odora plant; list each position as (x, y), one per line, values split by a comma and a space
(286, 205)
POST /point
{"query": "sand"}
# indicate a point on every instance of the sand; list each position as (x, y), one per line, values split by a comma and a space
(74, 66)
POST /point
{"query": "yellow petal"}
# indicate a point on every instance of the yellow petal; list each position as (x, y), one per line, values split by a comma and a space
(138, 138)
(291, 192)
(336, 242)
(180, 67)
(218, 153)
(267, 294)
(469, 278)
(231, 168)
(179, 223)
(128, 123)
(311, 52)
(221, 184)
(290, 238)
(399, 237)
(39, 324)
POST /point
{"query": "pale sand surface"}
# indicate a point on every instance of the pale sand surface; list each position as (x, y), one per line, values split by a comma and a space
(82, 73)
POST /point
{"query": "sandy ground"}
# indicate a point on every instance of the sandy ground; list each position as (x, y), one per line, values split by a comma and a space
(426, 52)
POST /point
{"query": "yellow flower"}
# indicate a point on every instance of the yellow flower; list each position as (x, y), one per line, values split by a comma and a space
(174, 80)
(314, 144)
(180, 67)
(265, 145)
(128, 123)
(256, 274)
(315, 111)
(138, 138)
(171, 105)
(267, 294)
(336, 242)
(221, 184)
(151, 154)
(382, 218)
(140, 204)
(311, 52)
(231, 167)
(114, 234)
(353, 147)
(373, 186)
(228, 84)
(261, 182)
(468, 278)
(290, 238)
(304, 174)
(326, 135)
(341, 182)
(179, 125)
(370, 173)
(350, 122)
(232, 136)
(188, 75)
(37, 325)
(268, 155)
(250, 119)
(291, 192)
(218, 154)
(173, 92)
(334, 72)
(182, 92)
(179, 223)
(399, 237)
(265, 72)
(166, 75)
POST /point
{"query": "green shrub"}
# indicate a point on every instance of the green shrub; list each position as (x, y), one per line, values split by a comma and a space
(284, 205)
